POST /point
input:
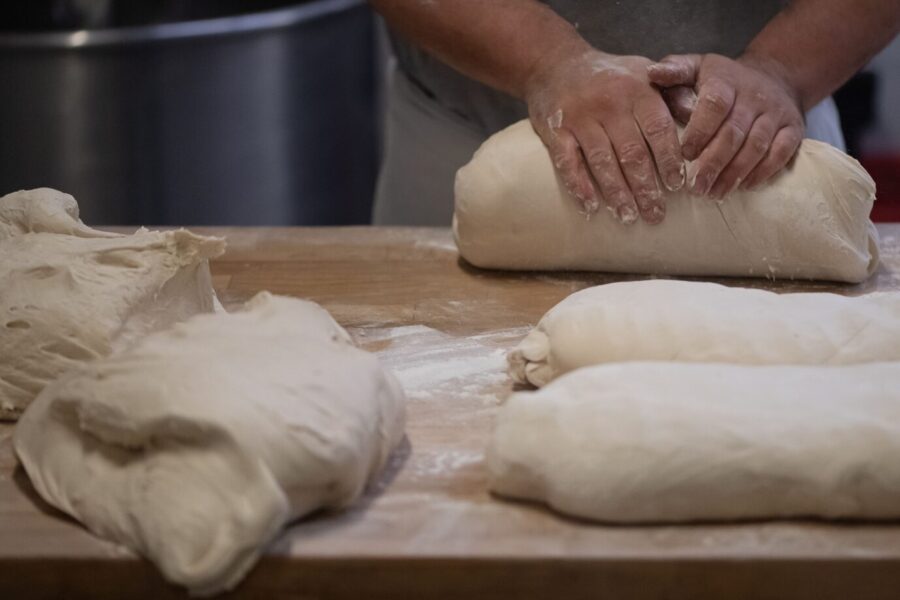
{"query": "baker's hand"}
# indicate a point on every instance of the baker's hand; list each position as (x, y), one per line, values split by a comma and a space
(608, 130)
(747, 122)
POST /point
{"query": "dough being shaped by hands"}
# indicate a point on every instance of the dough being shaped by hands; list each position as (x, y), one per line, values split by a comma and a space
(810, 222)
(70, 294)
(651, 442)
(197, 445)
(664, 320)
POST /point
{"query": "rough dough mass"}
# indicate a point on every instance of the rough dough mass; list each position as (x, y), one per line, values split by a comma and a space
(198, 444)
(811, 222)
(663, 320)
(645, 442)
(70, 294)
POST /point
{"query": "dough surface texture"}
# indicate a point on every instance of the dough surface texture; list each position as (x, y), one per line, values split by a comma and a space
(70, 294)
(198, 444)
(656, 442)
(811, 222)
(667, 320)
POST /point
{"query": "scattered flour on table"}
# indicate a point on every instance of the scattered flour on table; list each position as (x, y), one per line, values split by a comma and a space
(435, 367)
(447, 245)
(432, 463)
(430, 364)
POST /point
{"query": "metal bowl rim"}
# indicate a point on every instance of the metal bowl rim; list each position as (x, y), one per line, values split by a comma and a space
(201, 28)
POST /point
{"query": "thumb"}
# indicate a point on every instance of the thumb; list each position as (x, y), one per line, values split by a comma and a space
(681, 101)
(676, 69)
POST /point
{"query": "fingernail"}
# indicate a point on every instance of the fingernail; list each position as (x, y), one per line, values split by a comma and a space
(676, 179)
(702, 184)
(655, 214)
(627, 214)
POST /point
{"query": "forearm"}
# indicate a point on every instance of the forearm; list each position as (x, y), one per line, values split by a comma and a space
(818, 44)
(498, 42)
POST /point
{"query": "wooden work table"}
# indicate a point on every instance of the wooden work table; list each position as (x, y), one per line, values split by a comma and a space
(429, 528)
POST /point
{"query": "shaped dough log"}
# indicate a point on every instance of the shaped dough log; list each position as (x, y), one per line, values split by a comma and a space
(197, 445)
(811, 222)
(634, 442)
(70, 294)
(664, 320)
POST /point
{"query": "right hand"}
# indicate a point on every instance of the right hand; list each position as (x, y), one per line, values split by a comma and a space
(594, 112)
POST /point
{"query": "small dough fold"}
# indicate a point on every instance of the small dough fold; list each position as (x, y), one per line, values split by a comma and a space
(657, 442)
(669, 320)
(70, 294)
(811, 222)
(198, 444)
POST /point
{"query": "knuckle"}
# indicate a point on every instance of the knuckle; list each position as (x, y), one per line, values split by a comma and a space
(633, 154)
(611, 183)
(759, 143)
(568, 178)
(605, 103)
(564, 161)
(735, 132)
(599, 158)
(657, 126)
(716, 102)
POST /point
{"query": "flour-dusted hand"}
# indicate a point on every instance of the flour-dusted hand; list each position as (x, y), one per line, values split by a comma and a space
(609, 131)
(747, 123)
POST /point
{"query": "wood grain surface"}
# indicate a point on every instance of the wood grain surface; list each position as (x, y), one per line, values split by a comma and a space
(429, 528)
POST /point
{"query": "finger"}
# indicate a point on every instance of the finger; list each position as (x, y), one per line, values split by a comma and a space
(751, 153)
(714, 102)
(637, 166)
(782, 150)
(604, 166)
(724, 146)
(681, 101)
(678, 69)
(658, 127)
(567, 159)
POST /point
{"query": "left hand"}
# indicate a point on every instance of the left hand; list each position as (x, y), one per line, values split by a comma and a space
(747, 122)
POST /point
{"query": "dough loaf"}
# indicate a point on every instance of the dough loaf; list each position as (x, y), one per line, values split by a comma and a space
(197, 445)
(652, 442)
(70, 294)
(667, 320)
(811, 222)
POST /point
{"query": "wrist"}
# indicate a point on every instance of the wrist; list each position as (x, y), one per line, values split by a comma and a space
(547, 64)
(777, 70)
